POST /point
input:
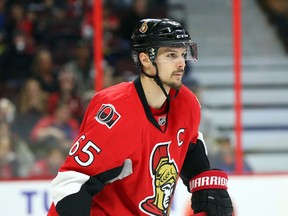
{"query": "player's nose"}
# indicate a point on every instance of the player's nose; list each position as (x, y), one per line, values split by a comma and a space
(181, 62)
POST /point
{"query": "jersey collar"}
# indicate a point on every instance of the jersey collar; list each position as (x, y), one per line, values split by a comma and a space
(149, 115)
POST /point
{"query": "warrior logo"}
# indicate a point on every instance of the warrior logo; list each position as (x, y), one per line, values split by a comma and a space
(107, 115)
(164, 173)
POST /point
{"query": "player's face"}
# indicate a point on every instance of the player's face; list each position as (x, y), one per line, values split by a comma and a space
(171, 65)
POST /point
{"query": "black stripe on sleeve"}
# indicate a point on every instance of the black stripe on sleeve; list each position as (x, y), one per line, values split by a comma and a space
(80, 203)
(195, 161)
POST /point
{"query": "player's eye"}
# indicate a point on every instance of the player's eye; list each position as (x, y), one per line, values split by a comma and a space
(172, 55)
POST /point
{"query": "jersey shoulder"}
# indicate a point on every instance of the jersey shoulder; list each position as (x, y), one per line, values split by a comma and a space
(112, 107)
(117, 95)
(119, 99)
(116, 92)
(186, 95)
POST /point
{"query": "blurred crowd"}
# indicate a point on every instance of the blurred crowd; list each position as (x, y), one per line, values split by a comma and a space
(277, 14)
(47, 74)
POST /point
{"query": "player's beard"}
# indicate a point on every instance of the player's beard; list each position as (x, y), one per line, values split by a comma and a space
(174, 84)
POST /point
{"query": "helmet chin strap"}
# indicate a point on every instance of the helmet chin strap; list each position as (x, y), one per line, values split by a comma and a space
(152, 52)
(157, 79)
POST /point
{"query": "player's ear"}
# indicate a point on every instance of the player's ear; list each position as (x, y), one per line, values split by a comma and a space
(145, 60)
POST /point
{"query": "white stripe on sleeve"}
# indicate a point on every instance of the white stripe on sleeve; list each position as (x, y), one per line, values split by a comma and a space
(201, 137)
(67, 183)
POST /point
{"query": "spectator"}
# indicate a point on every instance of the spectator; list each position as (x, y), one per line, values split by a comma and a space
(32, 105)
(16, 60)
(61, 31)
(207, 125)
(67, 94)
(138, 11)
(277, 12)
(129, 17)
(47, 166)
(86, 26)
(15, 156)
(8, 160)
(225, 158)
(82, 66)
(59, 126)
(7, 110)
(18, 20)
(113, 45)
(44, 71)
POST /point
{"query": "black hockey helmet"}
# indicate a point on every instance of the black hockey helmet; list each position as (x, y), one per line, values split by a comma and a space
(155, 33)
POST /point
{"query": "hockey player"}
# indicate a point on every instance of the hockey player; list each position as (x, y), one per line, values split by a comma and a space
(137, 138)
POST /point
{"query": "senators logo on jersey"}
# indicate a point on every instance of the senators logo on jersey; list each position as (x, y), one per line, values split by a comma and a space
(164, 173)
(107, 115)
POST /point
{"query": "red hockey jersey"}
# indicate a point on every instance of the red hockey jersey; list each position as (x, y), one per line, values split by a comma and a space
(122, 160)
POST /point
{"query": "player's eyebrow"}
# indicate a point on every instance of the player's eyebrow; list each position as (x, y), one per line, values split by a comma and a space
(172, 49)
(168, 49)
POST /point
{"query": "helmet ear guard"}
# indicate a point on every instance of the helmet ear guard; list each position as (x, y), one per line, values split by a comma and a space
(151, 52)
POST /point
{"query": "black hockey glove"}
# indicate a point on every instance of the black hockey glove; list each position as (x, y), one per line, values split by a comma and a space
(209, 193)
